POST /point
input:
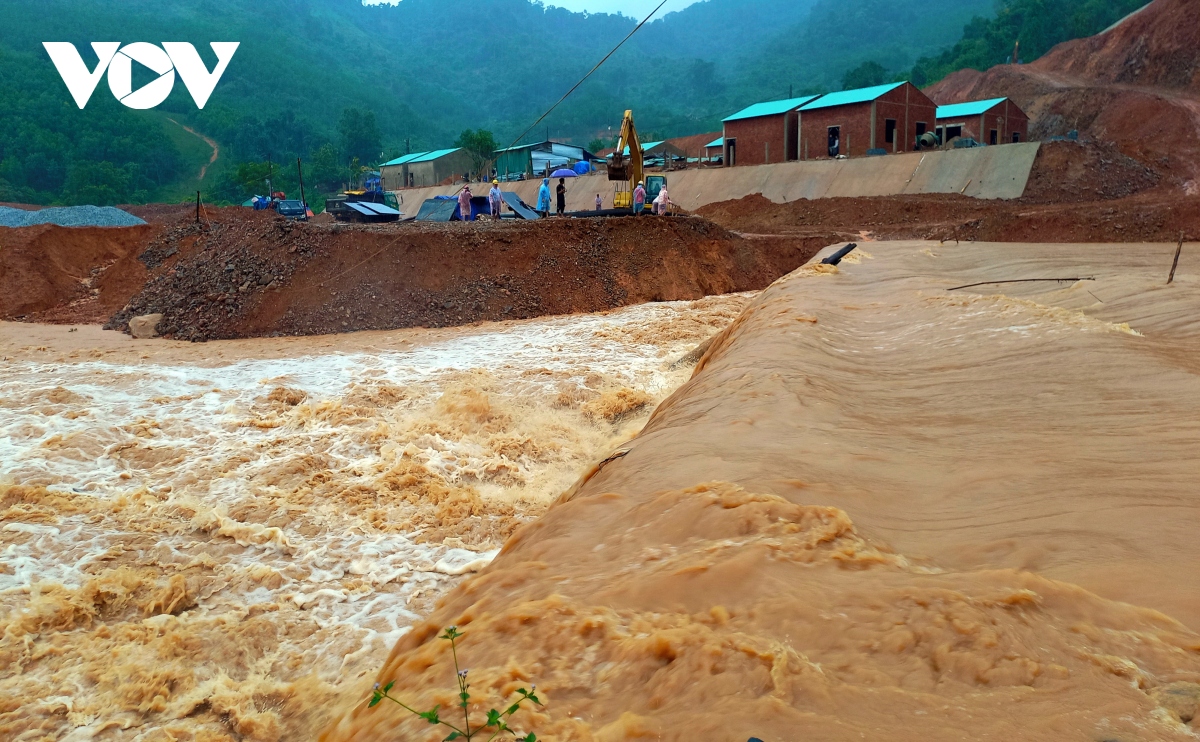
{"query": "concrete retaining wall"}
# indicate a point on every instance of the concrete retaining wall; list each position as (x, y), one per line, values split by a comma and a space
(982, 172)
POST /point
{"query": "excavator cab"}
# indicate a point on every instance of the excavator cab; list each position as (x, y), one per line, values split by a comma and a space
(654, 184)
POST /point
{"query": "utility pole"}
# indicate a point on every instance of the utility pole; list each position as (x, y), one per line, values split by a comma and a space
(300, 172)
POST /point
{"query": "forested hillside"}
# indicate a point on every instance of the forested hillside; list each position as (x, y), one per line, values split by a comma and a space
(334, 80)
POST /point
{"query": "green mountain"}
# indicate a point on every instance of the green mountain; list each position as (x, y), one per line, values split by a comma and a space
(330, 79)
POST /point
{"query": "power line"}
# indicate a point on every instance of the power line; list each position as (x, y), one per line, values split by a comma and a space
(589, 74)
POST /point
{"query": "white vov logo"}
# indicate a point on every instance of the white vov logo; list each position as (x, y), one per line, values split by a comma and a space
(118, 60)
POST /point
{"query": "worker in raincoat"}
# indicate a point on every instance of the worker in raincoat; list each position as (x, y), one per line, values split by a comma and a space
(662, 201)
(464, 204)
(544, 197)
(639, 199)
(495, 199)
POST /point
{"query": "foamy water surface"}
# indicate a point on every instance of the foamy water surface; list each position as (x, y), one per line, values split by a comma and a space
(222, 546)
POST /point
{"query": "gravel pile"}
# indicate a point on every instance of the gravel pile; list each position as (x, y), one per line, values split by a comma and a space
(69, 216)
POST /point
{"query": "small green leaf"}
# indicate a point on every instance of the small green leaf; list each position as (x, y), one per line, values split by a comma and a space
(388, 687)
(531, 737)
(452, 736)
(431, 716)
(374, 700)
(493, 718)
(512, 709)
(534, 699)
(464, 695)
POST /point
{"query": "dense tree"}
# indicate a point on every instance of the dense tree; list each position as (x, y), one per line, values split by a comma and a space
(1037, 24)
(480, 145)
(865, 75)
(360, 135)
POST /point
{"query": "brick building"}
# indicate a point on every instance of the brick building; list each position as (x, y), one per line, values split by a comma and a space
(994, 121)
(884, 117)
(763, 133)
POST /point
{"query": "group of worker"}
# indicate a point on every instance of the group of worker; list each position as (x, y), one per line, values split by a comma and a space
(496, 200)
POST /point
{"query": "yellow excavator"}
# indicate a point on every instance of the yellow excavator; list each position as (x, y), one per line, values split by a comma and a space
(628, 170)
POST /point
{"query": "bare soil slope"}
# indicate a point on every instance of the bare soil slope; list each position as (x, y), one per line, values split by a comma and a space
(1137, 85)
(73, 274)
(245, 274)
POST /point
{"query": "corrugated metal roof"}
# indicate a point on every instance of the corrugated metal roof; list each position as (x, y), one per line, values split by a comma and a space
(403, 159)
(525, 146)
(718, 142)
(437, 153)
(846, 97)
(970, 108)
(770, 108)
(646, 147)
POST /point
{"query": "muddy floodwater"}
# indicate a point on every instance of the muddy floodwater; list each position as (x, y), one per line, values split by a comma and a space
(883, 508)
(223, 541)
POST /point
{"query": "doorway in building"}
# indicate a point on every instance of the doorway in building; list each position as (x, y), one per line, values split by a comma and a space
(835, 141)
(1016, 137)
(993, 137)
(731, 155)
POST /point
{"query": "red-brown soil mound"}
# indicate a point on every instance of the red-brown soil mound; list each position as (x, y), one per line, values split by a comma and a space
(69, 274)
(1148, 218)
(1137, 85)
(1159, 46)
(246, 274)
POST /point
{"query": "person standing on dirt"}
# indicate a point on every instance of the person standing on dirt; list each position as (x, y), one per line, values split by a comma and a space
(464, 204)
(561, 190)
(495, 199)
(661, 203)
(639, 199)
(599, 202)
(544, 198)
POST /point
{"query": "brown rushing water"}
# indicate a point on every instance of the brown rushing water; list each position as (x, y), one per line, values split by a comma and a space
(218, 541)
(879, 510)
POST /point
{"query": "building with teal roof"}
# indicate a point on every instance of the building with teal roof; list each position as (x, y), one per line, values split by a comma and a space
(419, 169)
(763, 133)
(990, 121)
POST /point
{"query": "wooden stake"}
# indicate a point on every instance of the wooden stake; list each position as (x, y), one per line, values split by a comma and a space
(1175, 263)
(198, 209)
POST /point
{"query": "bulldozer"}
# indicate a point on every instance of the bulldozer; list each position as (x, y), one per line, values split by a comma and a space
(628, 170)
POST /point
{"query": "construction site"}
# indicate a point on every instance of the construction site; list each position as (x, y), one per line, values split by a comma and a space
(874, 438)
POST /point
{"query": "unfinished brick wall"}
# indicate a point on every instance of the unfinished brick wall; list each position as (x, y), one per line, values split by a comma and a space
(906, 106)
(762, 140)
(1006, 118)
(855, 123)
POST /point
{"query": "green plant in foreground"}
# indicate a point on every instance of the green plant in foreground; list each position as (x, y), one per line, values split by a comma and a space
(496, 720)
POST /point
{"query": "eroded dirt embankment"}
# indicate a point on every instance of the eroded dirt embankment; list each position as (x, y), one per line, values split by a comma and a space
(880, 509)
(246, 275)
(74, 274)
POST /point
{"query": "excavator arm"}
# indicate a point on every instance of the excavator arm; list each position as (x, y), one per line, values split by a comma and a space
(627, 170)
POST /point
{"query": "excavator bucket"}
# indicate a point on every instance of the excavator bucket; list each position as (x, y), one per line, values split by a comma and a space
(618, 169)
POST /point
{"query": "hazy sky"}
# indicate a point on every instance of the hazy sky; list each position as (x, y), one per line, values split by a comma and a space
(635, 8)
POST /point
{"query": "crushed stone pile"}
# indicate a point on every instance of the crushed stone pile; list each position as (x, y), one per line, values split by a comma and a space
(69, 216)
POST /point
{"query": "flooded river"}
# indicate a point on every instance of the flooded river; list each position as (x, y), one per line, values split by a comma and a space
(222, 540)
